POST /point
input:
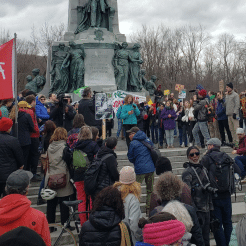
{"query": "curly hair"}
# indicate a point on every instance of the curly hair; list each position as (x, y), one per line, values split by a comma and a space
(127, 97)
(168, 186)
(125, 189)
(111, 197)
(60, 133)
(78, 121)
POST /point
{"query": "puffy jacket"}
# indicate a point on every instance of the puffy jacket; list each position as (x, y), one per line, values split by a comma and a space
(25, 128)
(15, 211)
(221, 110)
(11, 156)
(242, 146)
(232, 103)
(91, 148)
(202, 199)
(119, 112)
(108, 174)
(102, 225)
(41, 111)
(139, 154)
(168, 123)
(200, 109)
(87, 109)
(130, 119)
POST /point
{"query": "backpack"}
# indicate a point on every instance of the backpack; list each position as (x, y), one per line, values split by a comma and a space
(80, 161)
(154, 152)
(92, 173)
(221, 173)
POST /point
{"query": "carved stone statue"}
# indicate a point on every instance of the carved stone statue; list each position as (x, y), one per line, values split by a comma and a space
(96, 13)
(77, 68)
(135, 61)
(60, 70)
(142, 77)
(37, 84)
(122, 67)
(150, 85)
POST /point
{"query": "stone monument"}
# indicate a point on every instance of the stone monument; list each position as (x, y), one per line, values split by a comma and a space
(37, 83)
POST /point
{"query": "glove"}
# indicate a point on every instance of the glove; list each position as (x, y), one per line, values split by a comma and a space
(234, 116)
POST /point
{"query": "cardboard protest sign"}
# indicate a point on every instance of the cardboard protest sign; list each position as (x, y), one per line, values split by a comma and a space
(166, 92)
(177, 87)
(104, 106)
(221, 85)
(182, 87)
(182, 94)
(150, 102)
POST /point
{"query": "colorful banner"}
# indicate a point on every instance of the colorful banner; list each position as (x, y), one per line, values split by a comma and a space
(7, 64)
(79, 91)
(166, 92)
(104, 106)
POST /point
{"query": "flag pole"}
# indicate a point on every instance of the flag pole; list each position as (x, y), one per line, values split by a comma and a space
(15, 83)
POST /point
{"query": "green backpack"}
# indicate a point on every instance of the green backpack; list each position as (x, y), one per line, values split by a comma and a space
(80, 161)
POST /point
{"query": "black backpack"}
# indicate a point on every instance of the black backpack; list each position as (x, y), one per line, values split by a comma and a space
(221, 172)
(91, 175)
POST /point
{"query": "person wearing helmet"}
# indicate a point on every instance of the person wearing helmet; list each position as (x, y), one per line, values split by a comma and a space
(15, 208)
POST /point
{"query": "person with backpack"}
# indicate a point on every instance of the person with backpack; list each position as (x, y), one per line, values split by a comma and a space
(196, 177)
(103, 170)
(83, 154)
(220, 172)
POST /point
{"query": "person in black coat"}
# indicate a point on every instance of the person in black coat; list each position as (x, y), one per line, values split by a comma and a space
(103, 225)
(11, 155)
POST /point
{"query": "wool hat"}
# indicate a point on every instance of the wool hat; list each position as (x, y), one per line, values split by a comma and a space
(189, 150)
(199, 87)
(240, 131)
(5, 124)
(163, 233)
(127, 175)
(230, 85)
(202, 93)
(163, 165)
(24, 104)
(214, 141)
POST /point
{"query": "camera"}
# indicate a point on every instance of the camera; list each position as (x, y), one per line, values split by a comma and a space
(62, 100)
(210, 189)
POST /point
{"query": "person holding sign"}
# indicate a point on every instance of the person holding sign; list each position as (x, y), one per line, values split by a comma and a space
(129, 115)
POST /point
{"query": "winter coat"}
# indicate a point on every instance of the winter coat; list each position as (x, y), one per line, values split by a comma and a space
(108, 173)
(102, 225)
(168, 123)
(196, 231)
(232, 104)
(25, 128)
(132, 216)
(202, 199)
(200, 109)
(91, 148)
(221, 110)
(87, 109)
(5, 112)
(130, 119)
(15, 211)
(57, 116)
(153, 118)
(32, 113)
(58, 166)
(139, 154)
(242, 146)
(119, 112)
(41, 111)
(11, 156)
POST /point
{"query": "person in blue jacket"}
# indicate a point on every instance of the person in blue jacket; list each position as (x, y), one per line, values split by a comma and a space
(222, 118)
(129, 115)
(41, 111)
(140, 156)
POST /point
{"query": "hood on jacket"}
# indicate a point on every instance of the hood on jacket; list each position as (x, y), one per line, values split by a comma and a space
(12, 207)
(140, 135)
(56, 145)
(104, 150)
(105, 218)
(81, 144)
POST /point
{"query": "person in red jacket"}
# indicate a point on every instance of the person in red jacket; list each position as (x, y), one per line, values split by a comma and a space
(15, 208)
(241, 151)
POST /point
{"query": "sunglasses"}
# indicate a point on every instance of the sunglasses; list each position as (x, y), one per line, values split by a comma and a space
(196, 153)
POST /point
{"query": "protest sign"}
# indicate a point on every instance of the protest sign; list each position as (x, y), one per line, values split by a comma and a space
(104, 106)
(150, 102)
(221, 85)
(79, 91)
(182, 94)
(166, 92)
(182, 87)
(177, 87)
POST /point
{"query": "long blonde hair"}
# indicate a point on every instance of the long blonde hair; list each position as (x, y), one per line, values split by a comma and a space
(126, 189)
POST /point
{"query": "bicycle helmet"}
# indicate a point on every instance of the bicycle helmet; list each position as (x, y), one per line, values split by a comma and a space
(48, 194)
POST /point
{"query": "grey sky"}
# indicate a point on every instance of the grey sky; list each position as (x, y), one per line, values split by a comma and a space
(217, 16)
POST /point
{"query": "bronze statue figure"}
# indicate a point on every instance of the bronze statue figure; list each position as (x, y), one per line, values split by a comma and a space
(37, 84)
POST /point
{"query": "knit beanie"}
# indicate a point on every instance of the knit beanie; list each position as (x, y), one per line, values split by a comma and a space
(189, 150)
(202, 93)
(163, 233)
(5, 124)
(199, 87)
(230, 85)
(127, 175)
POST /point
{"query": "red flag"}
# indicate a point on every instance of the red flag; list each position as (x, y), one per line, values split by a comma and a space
(7, 61)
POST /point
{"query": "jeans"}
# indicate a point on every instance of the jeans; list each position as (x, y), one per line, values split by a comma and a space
(182, 136)
(41, 187)
(169, 137)
(154, 133)
(223, 212)
(203, 127)
(224, 124)
(161, 136)
(241, 162)
(120, 127)
(190, 128)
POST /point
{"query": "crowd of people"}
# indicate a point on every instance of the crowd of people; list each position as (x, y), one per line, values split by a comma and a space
(66, 138)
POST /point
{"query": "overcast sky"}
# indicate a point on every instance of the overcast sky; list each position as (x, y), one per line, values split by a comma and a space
(217, 16)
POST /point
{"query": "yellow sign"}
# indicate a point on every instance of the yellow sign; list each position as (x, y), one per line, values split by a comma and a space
(150, 102)
(166, 92)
